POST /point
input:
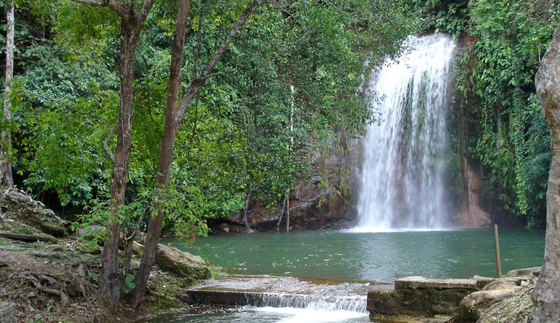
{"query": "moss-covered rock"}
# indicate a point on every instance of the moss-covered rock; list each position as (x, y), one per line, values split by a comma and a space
(18, 205)
(502, 300)
(181, 263)
(419, 296)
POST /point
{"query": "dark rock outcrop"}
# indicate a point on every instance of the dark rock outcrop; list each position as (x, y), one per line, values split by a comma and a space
(323, 201)
(18, 205)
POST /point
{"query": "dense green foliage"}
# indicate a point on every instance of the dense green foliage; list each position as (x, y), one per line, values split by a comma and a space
(247, 131)
(450, 16)
(510, 137)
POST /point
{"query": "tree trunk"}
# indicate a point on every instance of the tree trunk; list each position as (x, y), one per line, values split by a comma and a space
(246, 211)
(546, 295)
(288, 210)
(111, 280)
(5, 137)
(165, 154)
(132, 21)
(174, 116)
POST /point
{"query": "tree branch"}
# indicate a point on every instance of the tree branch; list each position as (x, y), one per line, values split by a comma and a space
(106, 141)
(234, 31)
(143, 13)
(117, 7)
(92, 2)
(197, 84)
(198, 42)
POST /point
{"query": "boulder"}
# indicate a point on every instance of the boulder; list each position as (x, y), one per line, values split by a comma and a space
(482, 281)
(90, 232)
(471, 308)
(524, 272)
(181, 263)
(18, 205)
(476, 305)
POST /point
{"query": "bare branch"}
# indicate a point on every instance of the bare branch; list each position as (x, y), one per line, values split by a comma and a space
(117, 7)
(144, 11)
(106, 141)
(92, 2)
(198, 42)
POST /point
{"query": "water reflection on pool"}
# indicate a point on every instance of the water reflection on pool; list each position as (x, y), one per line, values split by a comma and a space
(381, 256)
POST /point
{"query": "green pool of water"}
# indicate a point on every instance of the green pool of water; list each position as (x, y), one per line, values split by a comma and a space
(378, 257)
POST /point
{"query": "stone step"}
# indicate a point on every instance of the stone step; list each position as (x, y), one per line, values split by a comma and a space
(419, 296)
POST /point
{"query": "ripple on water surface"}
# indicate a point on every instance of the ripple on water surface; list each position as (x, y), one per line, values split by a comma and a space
(375, 257)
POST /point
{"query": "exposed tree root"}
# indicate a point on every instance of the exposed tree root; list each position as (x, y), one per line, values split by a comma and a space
(47, 284)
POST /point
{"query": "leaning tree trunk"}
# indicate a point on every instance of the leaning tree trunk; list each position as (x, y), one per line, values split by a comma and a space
(111, 281)
(5, 138)
(546, 295)
(174, 117)
(133, 16)
(165, 155)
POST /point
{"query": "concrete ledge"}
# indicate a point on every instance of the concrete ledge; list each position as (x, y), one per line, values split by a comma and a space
(417, 282)
(419, 296)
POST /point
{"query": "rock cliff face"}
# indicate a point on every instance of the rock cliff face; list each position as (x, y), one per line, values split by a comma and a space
(325, 201)
(471, 214)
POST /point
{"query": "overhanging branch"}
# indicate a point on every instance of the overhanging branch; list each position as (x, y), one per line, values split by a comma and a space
(117, 7)
(197, 84)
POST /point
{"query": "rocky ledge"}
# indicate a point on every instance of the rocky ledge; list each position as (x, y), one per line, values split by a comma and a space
(479, 299)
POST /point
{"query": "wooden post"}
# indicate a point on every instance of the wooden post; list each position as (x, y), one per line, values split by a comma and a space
(497, 247)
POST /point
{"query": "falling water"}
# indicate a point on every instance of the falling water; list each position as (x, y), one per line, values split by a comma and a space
(402, 183)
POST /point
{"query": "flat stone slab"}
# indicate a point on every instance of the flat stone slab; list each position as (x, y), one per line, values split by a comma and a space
(283, 285)
(420, 296)
(274, 291)
(417, 282)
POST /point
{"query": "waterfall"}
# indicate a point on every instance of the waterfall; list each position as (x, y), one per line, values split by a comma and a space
(401, 181)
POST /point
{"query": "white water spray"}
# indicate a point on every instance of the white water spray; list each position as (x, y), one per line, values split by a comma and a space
(402, 183)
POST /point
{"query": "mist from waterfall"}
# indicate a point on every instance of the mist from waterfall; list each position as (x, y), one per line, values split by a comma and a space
(402, 186)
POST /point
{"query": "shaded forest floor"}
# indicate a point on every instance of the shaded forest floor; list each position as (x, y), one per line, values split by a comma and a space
(57, 282)
(51, 276)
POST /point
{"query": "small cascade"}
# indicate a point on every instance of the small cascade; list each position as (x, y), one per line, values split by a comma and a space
(320, 302)
(401, 182)
(293, 299)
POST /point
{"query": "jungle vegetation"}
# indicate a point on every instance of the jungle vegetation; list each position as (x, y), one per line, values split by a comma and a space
(119, 115)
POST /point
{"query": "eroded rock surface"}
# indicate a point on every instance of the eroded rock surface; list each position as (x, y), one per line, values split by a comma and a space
(17, 204)
(419, 296)
(181, 263)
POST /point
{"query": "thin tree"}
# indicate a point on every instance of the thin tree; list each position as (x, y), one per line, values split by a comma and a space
(6, 180)
(174, 117)
(132, 22)
(546, 295)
